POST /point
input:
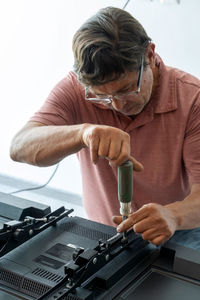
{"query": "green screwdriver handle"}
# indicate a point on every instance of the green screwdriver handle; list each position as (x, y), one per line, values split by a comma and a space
(125, 182)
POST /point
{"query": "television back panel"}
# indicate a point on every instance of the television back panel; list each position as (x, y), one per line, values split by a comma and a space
(38, 264)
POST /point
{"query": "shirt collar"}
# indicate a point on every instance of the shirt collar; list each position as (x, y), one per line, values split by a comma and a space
(164, 99)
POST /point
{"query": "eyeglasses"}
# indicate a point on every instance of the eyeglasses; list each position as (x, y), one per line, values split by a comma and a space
(107, 99)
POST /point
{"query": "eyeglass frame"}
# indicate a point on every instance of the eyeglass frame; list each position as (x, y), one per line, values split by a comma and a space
(109, 98)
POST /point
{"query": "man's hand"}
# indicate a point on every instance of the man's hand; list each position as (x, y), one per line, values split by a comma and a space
(156, 223)
(110, 143)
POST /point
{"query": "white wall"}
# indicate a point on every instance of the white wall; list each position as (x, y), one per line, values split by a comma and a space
(35, 53)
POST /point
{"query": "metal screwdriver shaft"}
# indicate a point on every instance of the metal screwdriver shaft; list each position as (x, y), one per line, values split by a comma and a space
(125, 189)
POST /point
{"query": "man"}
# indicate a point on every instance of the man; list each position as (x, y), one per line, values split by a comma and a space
(122, 103)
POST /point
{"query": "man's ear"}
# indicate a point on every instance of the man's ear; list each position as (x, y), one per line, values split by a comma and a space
(151, 54)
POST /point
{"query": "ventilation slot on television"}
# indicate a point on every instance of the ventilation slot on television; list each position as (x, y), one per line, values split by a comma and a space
(84, 232)
(9, 278)
(47, 275)
(34, 288)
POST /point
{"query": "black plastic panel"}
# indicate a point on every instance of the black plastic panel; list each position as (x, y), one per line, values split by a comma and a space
(15, 208)
(161, 286)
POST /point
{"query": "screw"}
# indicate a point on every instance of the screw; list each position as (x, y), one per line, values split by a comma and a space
(30, 231)
(94, 260)
(107, 257)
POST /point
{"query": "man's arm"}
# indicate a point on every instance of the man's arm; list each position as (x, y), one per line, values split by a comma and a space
(42, 145)
(157, 223)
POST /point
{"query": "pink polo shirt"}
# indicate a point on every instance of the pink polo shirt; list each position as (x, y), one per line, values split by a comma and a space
(165, 138)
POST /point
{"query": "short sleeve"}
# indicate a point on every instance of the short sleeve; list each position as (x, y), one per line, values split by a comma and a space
(61, 106)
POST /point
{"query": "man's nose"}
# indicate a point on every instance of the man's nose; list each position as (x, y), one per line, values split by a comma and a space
(118, 104)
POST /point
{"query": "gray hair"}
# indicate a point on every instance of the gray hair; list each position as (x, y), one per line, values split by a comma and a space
(108, 45)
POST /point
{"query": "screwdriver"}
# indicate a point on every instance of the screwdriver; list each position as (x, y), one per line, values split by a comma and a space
(125, 190)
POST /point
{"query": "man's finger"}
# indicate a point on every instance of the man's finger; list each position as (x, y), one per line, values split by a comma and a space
(129, 222)
(139, 215)
(93, 146)
(125, 225)
(122, 225)
(104, 146)
(159, 240)
(117, 219)
(150, 234)
(114, 150)
(142, 226)
(137, 166)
